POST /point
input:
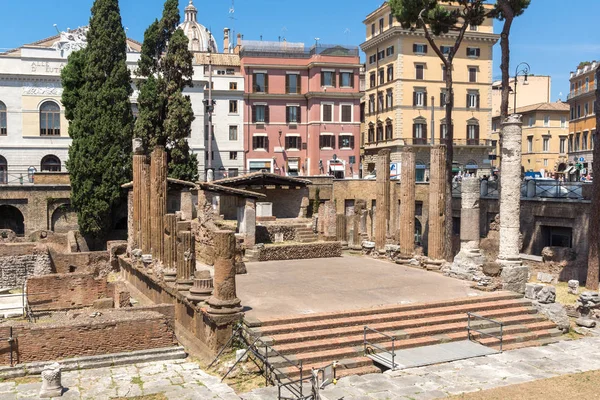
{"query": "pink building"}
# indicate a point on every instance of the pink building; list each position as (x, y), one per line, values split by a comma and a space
(302, 108)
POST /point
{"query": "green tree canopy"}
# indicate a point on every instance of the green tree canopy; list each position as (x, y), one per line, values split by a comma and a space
(97, 86)
(165, 113)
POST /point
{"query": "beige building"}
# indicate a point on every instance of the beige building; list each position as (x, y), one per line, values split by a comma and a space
(545, 135)
(534, 90)
(405, 88)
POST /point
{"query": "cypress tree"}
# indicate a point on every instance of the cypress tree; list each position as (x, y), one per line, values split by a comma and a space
(165, 113)
(97, 86)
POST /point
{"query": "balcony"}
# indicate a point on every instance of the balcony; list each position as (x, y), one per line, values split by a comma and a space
(581, 91)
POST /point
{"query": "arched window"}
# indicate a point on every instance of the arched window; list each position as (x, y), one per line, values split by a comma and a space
(49, 119)
(50, 163)
(3, 171)
(3, 130)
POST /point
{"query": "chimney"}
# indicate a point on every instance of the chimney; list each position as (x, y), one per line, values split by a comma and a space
(226, 40)
(238, 46)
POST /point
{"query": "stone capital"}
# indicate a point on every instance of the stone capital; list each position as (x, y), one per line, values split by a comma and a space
(513, 119)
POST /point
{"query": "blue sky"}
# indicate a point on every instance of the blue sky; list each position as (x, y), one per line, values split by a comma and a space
(552, 38)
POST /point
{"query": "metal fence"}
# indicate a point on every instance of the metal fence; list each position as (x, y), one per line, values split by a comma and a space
(536, 188)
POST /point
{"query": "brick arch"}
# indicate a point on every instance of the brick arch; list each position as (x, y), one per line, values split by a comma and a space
(13, 218)
(63, 218)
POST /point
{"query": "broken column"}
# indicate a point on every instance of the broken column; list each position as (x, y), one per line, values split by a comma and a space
(203, 287)
(186, 260)
(139, 160)
(514, 274)
(146, 223)
(340, 228)
(170, 239)
(468, 263)
(383, 199)
(247, 221)
(51, 382)
(224, 299)
(357, 230)
(407, 201)
(158, 201)
(437, 204)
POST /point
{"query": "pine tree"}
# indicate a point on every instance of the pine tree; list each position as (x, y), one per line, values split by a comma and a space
(165, 113)
(97, 86)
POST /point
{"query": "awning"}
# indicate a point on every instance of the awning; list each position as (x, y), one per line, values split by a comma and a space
(293, 164)
(455, 169)
(260, 164)
(569, 170)
(292, 134)
(337, 167)
(471, 166)
(346, 134)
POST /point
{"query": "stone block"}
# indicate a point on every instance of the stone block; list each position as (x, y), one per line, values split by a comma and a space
(514, 278)
(532, 289)
(558, 254)
(585, 322)
(556, 313)
(546, 295)
(545, 277)
(368, 245)
(573, 286)
(492, 269)
(103, 304)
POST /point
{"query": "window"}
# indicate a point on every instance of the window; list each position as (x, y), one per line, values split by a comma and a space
(531, 121)
(572, 113)
(233, 132)
(233, 155)
(371, 103)
(371, 134)
(232, 172)
(232, 85)
(379, 132)
(380, 25)
(584, 142)
(578, 110)
(545, 162)
(260, 142)
(473, 100)
(472, 74)
(381, 74)
(372, 29)
(327, 78)
(586, 109)
(420, 132)
(292, 83)
(546, 145)
(419, 98)
(445, 49)
(563, 141)
(420, 71)
(473, 52)
(346, 110)
(389, 130)
(372, 59)
(494, 126)
(546, 120)
(389, 99)
(530, 144)
(50, 163)
(293, 142)
(472, 134)
(3, 130)
(389, 51)
(49, 119)
(391, 20)
(443, 95)
(327, 141)
(380, 101)
(577, 141)
(473, 27)
(327, 112)
(372, 81)
(381, 55)
(3, 171)
(293, 166)
(233, 106)
(587, 84)
(346, 141)
(563, 122)
(261, 83)
(420, 48)
(260, 114)
(570, 143)
(292, 114)
(390, 73)
(346, 79)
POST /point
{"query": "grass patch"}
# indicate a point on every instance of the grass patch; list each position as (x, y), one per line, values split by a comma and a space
(156, 396)
(27, 379)
(136, 380)
(564, 297)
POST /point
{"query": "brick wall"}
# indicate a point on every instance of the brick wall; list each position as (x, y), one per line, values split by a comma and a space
(18, 261)
(65, 291)
(112, 332)
(88, 262)
(300, 251)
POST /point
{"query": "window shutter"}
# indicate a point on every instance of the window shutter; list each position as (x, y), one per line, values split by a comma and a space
(298, 83)
(266, 83)
(299, 143)
(425, 49)
(478, 97)
(321, 141)
(253, 82)
(333, 76)
(425, 99)
(267, 143)
(414, 99)
(468, 100)
(424, 131)
(414, 47)
(332, 141)
(352, 80)
(339, 141)
(322, 78)
(253, 114)
(352, 142)
(267, 114)
(478, 52)
(441, 99)
(254, 144)
(287, 115)
(477, 132)
(414, 130)
(287, 84)
(298, 118)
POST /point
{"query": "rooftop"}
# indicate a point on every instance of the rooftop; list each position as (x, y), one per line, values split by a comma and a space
(262, 179)
(284, 49)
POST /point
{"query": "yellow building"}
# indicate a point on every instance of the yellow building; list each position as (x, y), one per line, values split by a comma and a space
(582, 120)
(405, 88)
(545, 133)
(536, 89)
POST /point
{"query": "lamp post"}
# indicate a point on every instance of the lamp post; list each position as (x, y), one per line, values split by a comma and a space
(522, 69)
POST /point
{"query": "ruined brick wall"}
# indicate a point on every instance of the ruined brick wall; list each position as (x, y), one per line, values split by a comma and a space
(64, 291)
(18, 261)
(112, 332)
(266, 233)
(300, 251)
(97, 262)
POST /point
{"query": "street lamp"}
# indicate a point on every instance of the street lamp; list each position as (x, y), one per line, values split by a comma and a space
(522, 69)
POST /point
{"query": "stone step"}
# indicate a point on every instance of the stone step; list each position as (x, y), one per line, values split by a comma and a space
(507, 315)
(362, 320)
(389, 309)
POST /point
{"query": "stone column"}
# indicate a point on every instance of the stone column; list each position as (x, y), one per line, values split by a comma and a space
(186, 260)
(145, 217)
(224, 299)
(469, 215)
(170, 241)
(158, 201)
(514, 275)
(437, 203)
(359, 208)
(249, 222)
(139, 160)
(383, 199)
(407, 201)
(340, 228)
(203, 287)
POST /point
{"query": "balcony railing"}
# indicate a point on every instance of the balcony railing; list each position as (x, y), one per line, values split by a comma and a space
(427, 142)
(582, 90)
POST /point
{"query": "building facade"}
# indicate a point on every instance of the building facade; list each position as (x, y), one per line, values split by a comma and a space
(582, 120)
(405, 89)
(302, 112)
(534, 89)
(545, 134)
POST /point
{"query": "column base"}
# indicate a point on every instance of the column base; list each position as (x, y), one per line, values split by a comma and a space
(224, 307)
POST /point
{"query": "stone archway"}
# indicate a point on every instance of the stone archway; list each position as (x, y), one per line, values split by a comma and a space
(64, 219)
(12, 218)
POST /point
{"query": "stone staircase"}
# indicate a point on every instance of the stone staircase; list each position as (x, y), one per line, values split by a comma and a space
(319, 339)
(305, 234)
(251, 255)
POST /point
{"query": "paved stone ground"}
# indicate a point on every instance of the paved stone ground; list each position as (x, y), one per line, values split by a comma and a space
(177, 379)
(443, 380)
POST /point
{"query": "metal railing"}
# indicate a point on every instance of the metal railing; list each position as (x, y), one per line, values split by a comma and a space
(368, 346)
(427, 142)
(582, 90)
(471, 316)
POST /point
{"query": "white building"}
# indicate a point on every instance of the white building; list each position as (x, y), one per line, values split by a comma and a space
(34, 132)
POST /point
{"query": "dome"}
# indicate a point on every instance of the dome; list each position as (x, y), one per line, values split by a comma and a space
(200, 38)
